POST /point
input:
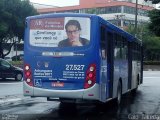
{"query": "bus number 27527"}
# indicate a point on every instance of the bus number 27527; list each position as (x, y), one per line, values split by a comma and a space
(74, 67)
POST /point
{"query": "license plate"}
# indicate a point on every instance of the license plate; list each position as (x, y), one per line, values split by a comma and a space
(58, 84)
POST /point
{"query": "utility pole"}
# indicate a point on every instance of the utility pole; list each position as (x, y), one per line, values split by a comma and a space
(121, 18)
(136, 13)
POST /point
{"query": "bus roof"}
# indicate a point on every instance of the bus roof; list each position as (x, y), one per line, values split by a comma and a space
(62, 15)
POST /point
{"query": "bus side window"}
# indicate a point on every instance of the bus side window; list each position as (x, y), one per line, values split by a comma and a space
(103, 42)
(117, 49)
(124, 48)
(134, 51)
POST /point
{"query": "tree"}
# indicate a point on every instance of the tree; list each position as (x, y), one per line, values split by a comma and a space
(155, 21)
(154, 1)
(154, 18)
(151, 43)
(142, 31)
(12, 22)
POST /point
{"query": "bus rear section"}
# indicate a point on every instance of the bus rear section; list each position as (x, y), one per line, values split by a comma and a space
(55, 68)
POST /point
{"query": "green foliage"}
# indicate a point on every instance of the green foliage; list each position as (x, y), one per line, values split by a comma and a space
(151, 42)
(155, 21)
(12, 22)
(153, 1)
(143, 31)
(17, 63)
(152, 48)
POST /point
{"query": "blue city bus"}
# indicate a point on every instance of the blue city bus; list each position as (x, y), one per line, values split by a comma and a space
(107, 66)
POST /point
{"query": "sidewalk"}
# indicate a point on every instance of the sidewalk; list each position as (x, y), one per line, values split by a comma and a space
(151, 68)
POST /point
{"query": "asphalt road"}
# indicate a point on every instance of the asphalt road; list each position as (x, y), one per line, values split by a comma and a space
(145, 105)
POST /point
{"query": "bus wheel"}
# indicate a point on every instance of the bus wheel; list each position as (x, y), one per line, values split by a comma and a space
(119, 93)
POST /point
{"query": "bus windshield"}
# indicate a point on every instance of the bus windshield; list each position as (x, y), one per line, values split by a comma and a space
(60, 32)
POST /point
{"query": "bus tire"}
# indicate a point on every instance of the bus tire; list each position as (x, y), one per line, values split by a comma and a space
(119, 93)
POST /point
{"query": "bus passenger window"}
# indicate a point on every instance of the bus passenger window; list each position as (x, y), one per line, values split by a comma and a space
(117, 49)
(124, 48)
(103, 43)
(103, 54)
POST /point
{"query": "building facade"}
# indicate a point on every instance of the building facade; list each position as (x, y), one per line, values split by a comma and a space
(119, 12)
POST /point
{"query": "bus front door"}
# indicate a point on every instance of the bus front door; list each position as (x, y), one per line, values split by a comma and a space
(110, 62)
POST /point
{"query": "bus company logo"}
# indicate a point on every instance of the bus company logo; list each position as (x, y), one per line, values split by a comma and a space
(38, 23)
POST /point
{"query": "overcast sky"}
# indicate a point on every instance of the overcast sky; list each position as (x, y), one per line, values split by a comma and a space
(59, 3)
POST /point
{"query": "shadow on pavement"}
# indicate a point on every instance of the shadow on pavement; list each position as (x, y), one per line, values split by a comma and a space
(107, 111)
